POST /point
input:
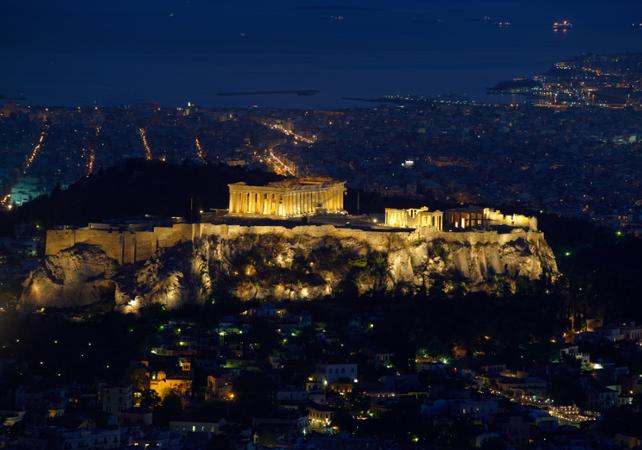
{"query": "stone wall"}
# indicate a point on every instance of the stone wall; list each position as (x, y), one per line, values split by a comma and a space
(128, 247)
(124, 246)
(495, 217)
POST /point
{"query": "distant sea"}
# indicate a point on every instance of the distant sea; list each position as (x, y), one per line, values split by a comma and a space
(79, 52)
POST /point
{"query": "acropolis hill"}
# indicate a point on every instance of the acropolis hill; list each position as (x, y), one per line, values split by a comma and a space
(289, 240)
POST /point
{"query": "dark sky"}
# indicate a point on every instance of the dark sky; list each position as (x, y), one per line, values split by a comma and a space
(116, 51)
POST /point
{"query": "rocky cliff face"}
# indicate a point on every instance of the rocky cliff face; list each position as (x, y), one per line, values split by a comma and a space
(291, 265)
(77, 276)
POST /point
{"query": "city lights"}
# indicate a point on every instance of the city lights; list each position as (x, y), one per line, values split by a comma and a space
(200, 152)
(143, 136)
(290, 133)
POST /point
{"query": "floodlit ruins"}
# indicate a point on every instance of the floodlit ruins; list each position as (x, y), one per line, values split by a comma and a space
(288, 198)
(260, 249)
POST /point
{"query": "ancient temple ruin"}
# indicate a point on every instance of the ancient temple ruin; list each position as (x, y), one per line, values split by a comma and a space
(288, 198)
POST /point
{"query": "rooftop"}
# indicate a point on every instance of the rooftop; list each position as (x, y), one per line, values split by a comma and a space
(297, 183)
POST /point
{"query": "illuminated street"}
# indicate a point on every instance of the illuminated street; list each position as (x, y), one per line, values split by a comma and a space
(143, 137)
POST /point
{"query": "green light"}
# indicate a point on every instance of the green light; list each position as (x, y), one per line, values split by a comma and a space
(567, 253)
(618, 233)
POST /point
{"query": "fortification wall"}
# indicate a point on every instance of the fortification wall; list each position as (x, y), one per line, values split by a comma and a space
(128, 247)
(116, 244)
(496, 217)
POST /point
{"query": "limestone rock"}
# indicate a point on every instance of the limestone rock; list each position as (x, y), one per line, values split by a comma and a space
(304, 263)
(77, 276)
(173, 277)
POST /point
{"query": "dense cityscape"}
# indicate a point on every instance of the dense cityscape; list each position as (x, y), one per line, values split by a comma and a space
(399, 271)
(447, 149)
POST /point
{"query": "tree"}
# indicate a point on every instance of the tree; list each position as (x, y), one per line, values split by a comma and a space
(150, 399)
(254, 394)
(170, 407)
(140, 380)
(493, 443)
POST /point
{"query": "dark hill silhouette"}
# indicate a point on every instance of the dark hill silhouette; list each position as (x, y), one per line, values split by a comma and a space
(137, 187)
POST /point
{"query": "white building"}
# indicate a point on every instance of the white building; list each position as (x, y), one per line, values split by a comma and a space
(328, 373)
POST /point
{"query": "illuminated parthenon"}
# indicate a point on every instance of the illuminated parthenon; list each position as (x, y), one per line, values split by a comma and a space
(287, 198)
